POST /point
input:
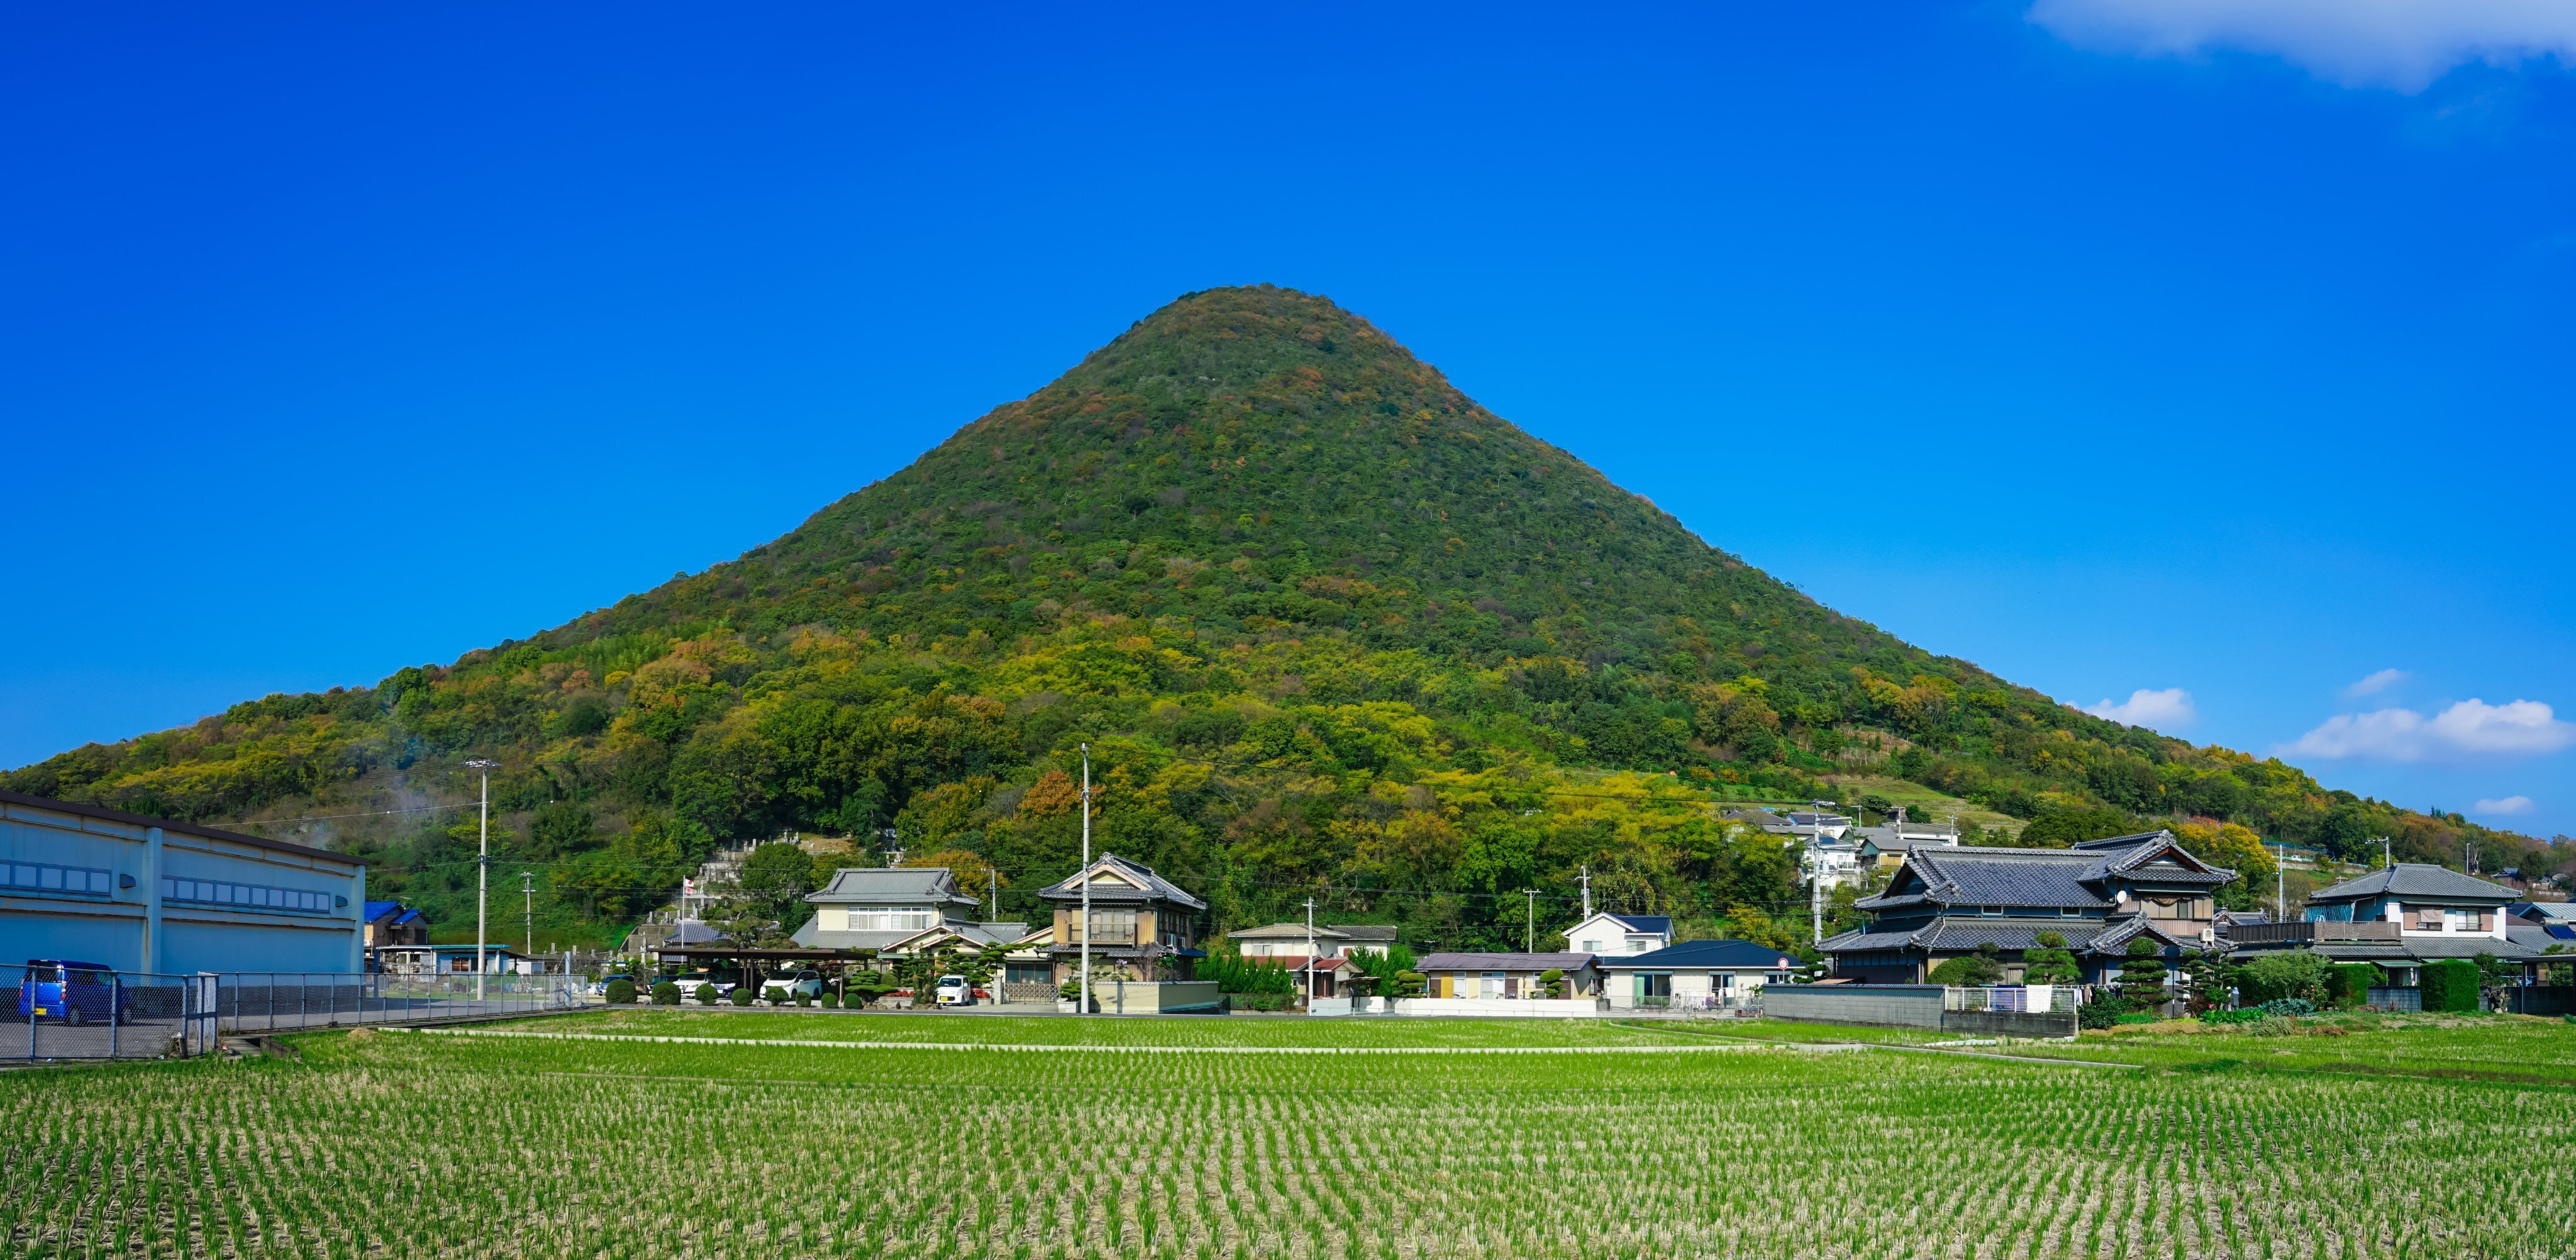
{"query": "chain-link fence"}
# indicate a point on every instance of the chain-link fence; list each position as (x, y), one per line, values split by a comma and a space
(73, 1012)
(67, 1011)
(264, 1001)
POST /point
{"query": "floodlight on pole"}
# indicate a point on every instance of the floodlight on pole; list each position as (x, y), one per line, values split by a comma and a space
(483, 872)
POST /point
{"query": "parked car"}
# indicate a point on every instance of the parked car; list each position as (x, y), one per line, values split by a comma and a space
(599, 987)
(73, 992)
(689, 983)
(809, 983)
(955, 991)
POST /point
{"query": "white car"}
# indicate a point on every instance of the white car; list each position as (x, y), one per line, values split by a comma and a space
(955, 991)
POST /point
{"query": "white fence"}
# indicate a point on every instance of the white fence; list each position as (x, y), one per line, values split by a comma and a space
(2021, 998)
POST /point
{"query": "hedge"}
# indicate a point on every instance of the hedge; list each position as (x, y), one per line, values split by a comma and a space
(2451, 985)
(2348, 984)
(621, 992)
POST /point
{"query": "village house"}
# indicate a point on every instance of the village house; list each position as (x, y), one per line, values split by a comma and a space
(878, 907)
(1620, 935)
(2099, 896)
(1477, 975)
(1695, 975)
(2401, 917)
(1289, 940)
(1142, 925)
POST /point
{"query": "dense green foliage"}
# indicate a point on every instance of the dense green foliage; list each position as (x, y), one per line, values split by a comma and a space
(1330, 628)
(2450, 985)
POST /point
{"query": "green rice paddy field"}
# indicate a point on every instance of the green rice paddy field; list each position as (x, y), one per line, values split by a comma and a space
(977, 1136)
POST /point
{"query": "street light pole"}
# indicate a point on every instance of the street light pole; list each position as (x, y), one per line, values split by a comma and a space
(1082, 990)
(482, 874)
(1529, 928)
(1310, 953)
(528, 912)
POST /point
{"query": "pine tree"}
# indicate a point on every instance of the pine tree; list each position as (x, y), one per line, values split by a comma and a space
(2142, 977)
(2051, 963)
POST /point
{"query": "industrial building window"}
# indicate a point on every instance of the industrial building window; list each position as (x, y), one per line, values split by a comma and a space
(247, 896)
(43, 877)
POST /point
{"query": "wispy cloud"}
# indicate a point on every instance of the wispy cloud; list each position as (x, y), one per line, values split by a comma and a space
(2401, 44)
(2376, 683)
(2471, 729)
(2509, 805)
(2157, 709)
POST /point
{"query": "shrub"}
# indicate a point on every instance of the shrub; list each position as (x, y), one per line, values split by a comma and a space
(2223, 1019)
(2134, 1017)
(2269, 1026)
(741, 995)
(775, 995)
(621, 992)
(2348, 985)
(1553, 981)
(666, 994)
(2104, 1010)
(706, 995)
(830, 1001)
(2296, 973)
(2287, 1007)
(2451, 985)
(2051, 963)
(1983, 967)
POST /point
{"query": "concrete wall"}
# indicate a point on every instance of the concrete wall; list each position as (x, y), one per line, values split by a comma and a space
(135, 924)
(1905, 1006)
(1883, 1005)
(1135, 997)
(1523, 1008)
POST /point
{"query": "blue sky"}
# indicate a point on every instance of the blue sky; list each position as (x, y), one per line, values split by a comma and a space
(2219, 346)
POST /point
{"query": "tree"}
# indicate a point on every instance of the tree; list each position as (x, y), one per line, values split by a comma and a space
(2235, 847)
(1983, 967)
(2296, 973)
(2062, 828)
(2051, 963)
(1553, 981)
(2495, 977)
(775, 879)
(2203, 984)
(2142, 977)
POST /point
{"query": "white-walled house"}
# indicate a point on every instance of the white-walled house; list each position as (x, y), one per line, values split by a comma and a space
(1289, 940)
(1610, 935)
(1695, 975)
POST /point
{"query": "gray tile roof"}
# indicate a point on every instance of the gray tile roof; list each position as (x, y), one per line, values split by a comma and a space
(926, 885)
(1717, 955)
(2416, 879)
(2545, 911)
(1153, 887)
(2050, 879)
(1503, 962)
(1959, 934)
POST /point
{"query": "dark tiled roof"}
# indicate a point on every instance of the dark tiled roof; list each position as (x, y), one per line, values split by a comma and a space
(1688, 954)
(1503, 962)
(1658, 923)
(1155, 887)
(2045, 878)
(1367, 931)
(2416, 879)
(935, 885)
(1956, 933)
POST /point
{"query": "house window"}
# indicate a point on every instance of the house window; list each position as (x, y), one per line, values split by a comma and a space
(1493, 987)
(2064, 913)
(1591, 947)
(1108, 927)
(2455, 920)
(1991, 912)
(890, 918)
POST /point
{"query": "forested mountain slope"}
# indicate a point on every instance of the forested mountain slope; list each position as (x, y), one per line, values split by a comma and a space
(1331, 628)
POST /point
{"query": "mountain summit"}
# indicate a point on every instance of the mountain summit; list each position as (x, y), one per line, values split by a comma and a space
(1328, 628)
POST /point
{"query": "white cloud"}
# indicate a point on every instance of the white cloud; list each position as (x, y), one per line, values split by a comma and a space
(2402, 44)
(2376, 683)
(2509, 805)
(2156, 709)
(2469, 729)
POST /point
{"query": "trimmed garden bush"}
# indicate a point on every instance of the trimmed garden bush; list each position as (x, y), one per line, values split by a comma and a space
(831, 1001)
(2287, 1007)
(621, 992)
(2451, 985)
(666, 994)
(707, 995)
(741, 995)
(775, 995)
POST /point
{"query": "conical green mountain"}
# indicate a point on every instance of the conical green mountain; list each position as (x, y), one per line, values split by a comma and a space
(1330, 627)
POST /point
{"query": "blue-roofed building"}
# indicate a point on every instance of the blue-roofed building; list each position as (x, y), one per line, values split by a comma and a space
(1609, 935)
(1695, 975)
(391, 923)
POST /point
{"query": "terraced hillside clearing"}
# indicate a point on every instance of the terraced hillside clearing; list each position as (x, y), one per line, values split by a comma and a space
(385, 1144)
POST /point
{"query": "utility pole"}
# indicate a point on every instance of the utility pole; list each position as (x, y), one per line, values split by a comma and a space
(1816, 868)
(1082, 988)
(993, 890)
(1529, 930)
(1310, 953)
(1587, 890)
(528, 912)
(2387, 856)
(482, 874)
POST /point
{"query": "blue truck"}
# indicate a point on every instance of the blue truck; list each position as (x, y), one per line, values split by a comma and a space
(73, 992)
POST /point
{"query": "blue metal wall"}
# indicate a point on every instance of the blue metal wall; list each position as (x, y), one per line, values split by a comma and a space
(147, 895)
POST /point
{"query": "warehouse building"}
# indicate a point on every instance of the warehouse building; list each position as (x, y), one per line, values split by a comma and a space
(156, 896)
